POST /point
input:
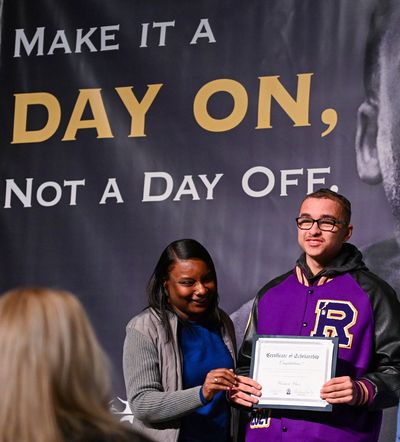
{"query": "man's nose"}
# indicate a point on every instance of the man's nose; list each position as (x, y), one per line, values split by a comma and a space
(315, 230)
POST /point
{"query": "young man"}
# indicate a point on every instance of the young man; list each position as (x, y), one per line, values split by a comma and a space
(330, 292)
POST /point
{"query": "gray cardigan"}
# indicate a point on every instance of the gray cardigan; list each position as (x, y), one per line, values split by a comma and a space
(153, 375)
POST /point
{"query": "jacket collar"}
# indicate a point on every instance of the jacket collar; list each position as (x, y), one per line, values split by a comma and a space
(348, 259)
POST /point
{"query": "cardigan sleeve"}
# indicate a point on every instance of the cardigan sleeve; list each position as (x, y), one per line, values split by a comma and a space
(147, 398)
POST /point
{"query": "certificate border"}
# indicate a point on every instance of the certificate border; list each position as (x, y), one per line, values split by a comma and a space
(335, 341)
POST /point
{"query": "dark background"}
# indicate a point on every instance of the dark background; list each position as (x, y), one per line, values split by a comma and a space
(105, 253)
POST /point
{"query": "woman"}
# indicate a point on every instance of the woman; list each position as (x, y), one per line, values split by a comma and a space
(54, 379)
(179, 353)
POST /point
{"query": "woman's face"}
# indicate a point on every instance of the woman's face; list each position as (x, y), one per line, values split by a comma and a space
(191, 288)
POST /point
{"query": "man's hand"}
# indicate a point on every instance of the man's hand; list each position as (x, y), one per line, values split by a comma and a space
(340, 390)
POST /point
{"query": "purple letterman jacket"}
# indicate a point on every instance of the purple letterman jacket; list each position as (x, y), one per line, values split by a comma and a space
(368, 327)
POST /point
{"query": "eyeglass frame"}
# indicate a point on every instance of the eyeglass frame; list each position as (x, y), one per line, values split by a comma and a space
(334, 221)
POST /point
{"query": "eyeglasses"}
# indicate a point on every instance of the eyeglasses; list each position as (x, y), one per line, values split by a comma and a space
(324, 224)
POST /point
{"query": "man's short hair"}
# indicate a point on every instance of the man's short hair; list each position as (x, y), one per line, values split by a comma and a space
(329, 194)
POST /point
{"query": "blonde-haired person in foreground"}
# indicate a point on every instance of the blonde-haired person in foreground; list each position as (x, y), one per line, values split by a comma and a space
(54, 377)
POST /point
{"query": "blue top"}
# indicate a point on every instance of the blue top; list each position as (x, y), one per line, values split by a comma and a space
(203, 350)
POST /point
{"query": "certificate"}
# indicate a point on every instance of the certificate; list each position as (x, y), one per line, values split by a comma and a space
(292, 370)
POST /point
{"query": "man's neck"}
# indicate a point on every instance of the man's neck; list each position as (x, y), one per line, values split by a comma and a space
(314, 265)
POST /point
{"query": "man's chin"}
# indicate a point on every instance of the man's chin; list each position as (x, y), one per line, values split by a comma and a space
(314, 251)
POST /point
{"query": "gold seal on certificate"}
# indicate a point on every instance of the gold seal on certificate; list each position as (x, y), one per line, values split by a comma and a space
(292, 370)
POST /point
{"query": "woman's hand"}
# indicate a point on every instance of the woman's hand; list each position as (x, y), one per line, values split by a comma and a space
(245, 392)
(340, 390)
(220, 379)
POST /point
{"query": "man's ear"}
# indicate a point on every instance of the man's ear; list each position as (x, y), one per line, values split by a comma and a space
(349, 232)
(368, 165)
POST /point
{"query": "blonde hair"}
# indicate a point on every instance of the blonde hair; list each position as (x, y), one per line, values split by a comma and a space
(54, 375)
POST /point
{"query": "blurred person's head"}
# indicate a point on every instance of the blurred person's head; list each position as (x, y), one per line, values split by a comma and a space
(53, 373)
(378, 126)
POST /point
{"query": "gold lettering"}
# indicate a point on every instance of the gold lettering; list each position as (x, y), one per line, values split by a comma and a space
(22, 101)
(138, 109)
(99, 120)
(297, 109)
(240, 104)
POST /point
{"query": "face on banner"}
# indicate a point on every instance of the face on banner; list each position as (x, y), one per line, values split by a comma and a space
(378, 138)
